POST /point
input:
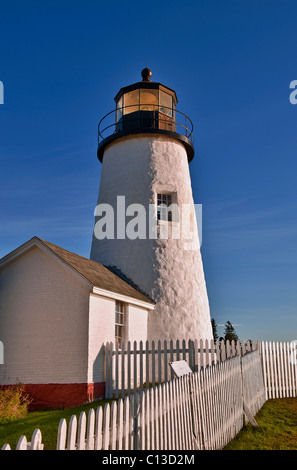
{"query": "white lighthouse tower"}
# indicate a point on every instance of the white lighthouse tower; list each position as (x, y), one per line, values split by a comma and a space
(145, 224)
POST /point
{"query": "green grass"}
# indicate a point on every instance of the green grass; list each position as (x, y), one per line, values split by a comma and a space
(277, 430)
(47, 421)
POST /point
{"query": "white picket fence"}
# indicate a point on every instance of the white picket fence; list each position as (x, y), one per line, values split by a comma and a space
(23, 444)
(279, 369)
(222, 393)
(139, 365)
(203, 410)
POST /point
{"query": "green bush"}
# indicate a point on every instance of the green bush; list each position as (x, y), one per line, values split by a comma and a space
(13, 402)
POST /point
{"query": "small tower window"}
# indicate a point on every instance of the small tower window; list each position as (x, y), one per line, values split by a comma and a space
(164, 211)
(119, 322)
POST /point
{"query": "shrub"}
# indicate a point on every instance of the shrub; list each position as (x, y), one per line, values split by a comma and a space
(13, 402)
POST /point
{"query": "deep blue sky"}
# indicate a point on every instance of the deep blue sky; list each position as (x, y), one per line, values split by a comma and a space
(230, 63)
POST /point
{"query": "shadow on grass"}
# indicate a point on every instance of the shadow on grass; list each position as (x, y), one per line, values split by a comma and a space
(277, 430)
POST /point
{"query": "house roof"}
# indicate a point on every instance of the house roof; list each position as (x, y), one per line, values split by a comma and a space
(96, 273)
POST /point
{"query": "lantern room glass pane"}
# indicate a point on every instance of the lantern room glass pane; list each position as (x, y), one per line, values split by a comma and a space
(131, 102)
(119, 109)
(166, 104)
(148, 100)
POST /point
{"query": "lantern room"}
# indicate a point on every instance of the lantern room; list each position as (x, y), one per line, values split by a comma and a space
(145, 104)
(145, 107)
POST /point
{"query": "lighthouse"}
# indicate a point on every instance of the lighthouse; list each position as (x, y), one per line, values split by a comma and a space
(145, 220)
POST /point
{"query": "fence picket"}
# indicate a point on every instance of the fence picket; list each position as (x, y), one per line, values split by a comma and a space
(36, 439)
(131, 428)
(6, 447)
(113, 425)
(166, 362)
(129, 367)
(22, 443)
(290, 371)
(160, 417)
(141, 379)
(126, 424)
(90, 430)
(81, 431)
(218, 351)
(283, 387)
(61, 438)
(107, 370)
(98, 428)
(165, 417)
(223, 351)
(147, 365)
(228, 349)
(123, 370)
(153, 364)
(106, 432)
(136, 416)
(71, 438)
(233, 348)
(142, 420)
(120, 424)
(267, 362)
(275, 370)
(159, 362)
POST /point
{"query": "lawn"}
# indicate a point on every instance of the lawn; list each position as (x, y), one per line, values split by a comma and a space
(46, 421)
(277, 430)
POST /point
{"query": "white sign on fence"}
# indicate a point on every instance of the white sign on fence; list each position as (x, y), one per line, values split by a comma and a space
(180, 368)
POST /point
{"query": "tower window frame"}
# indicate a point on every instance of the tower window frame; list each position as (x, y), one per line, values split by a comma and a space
(166, 203)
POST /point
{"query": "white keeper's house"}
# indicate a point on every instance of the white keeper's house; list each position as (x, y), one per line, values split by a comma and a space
(58, 309)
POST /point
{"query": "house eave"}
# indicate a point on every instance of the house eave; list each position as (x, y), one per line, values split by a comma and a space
(123, 298)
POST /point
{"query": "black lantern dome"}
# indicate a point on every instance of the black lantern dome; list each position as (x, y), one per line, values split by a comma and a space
(145, 107)
(146, 75)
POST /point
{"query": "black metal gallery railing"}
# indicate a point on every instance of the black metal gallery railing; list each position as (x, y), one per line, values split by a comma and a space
(134, 118)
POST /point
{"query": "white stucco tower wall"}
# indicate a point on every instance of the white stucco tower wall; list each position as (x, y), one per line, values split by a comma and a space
(139, 166)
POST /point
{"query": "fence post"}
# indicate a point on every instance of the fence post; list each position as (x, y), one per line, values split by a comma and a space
(108, 370)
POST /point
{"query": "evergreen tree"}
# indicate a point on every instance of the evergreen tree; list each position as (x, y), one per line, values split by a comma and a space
(214, 329)
(230, 333)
